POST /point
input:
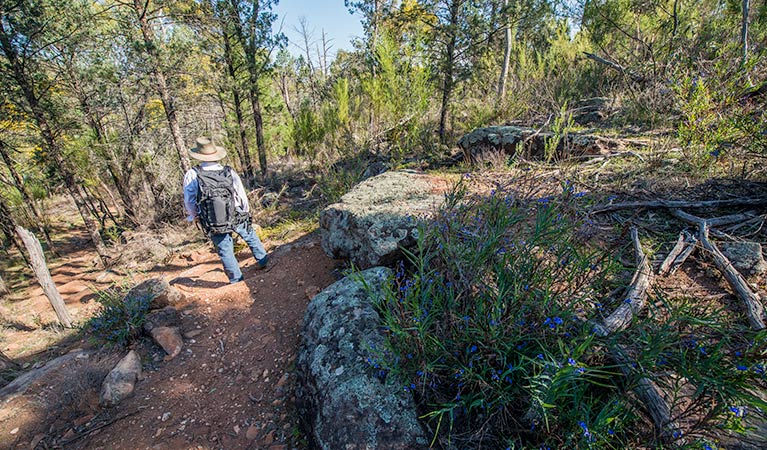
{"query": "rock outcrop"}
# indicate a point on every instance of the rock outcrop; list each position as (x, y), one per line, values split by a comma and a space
(343, 403)
(121, 381)
(373, 220)
(532, 143)
(159, 293)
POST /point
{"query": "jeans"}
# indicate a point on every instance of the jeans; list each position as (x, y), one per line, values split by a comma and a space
(225, 249)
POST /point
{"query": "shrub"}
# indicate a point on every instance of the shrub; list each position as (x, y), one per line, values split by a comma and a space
(487, 326)
(120, 320)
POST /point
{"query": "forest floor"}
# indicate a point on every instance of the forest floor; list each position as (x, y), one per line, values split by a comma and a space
(231, 387)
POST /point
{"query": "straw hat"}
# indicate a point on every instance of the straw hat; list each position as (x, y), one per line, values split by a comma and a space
(206, 150)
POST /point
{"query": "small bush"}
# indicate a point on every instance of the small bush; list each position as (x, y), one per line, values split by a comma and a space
(488, 327)
(120, 320)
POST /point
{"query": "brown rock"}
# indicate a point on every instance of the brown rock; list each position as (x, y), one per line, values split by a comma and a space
(192, 334)
(121, 381)
(69, 434)
(158, 291)
(169, 338)
(36, 440)
(311, 291)
(166, 317)
(269, 438)
(283, 380)
(251, 433)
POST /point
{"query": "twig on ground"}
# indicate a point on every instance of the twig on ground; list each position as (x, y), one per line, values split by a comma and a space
(637, 293)
(676, 204)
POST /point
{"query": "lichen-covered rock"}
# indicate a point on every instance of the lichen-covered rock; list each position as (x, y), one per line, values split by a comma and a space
(747, 257)
(121, 381)
(532, 143)
(342, 402)
(158, 291)
(373, 220)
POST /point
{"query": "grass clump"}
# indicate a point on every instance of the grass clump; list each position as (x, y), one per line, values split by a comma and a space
(120, 320)
(488, 327)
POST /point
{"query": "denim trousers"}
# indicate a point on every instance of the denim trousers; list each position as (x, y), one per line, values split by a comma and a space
(225, 249)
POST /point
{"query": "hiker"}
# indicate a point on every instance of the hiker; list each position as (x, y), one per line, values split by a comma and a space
(214, 195)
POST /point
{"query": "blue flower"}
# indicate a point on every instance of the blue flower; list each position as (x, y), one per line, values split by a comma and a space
(741, 367)
(571, 361)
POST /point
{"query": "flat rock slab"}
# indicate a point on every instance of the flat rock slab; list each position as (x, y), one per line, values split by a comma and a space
(377, 217)
(532, 143)
(342, 402)
(747, 257)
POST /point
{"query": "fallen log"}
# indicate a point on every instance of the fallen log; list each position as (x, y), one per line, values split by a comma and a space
(677, 204)
(751, 301)
(636, 298)
(637, 294)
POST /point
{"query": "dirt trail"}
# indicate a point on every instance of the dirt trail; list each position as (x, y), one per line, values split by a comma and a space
(232, 385)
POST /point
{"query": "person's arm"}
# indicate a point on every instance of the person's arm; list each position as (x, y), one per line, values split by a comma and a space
(190, 195)
(240, 196)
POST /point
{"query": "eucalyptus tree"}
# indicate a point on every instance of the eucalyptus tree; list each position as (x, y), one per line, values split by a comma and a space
(28, 31)
(147, 16)
(252, 23)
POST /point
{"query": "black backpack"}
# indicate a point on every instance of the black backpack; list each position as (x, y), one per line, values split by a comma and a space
(215, 200)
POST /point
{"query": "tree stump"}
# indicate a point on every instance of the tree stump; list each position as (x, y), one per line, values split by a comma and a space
(37, 262)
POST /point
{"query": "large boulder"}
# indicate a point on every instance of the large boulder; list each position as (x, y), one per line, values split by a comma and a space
(121, 381)
(343, 403)
(373, 220)
(157, 291)
(532, 143)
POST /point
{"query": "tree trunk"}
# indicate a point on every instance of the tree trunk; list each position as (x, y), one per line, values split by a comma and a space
(243, 150)
(3, 287)
(8, 227)
(744, 31)
(37, 260)
(41, 119)
(507, 53)
(168, 101)
(447, 84)
(255, 102)
(19, 183)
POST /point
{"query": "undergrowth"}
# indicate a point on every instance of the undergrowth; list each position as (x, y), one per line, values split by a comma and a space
(487, 325)
(120, 320)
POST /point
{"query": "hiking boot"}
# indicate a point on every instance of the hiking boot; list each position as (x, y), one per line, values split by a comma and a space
(263, 262)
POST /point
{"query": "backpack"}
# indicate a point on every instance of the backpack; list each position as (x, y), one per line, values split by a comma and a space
(215, 200)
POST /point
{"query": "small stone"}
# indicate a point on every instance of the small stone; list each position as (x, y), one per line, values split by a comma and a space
(311, 292)
(192, 334)
(121, 381)
(68, 435)
(251, 433)
(165, 416)
(169, 338)
(83, 420)
(269, 438)
(283, 380)
(277, 402)
(236, 429)
(36, 440)
(266, 373)
(15, 430)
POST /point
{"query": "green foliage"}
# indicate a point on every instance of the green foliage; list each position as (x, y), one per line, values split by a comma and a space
(120, 320)
(488, 326)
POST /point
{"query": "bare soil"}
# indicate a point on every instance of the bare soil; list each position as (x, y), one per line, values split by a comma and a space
(230, 388)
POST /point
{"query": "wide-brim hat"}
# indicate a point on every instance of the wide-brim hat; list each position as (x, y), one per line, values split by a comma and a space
(206, 150)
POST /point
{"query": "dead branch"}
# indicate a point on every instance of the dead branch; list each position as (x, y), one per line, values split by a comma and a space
(678, 247)
(637, 294)
(676, 204)
(684, 247)
(713, 222)
(754, 307)
(613, 65)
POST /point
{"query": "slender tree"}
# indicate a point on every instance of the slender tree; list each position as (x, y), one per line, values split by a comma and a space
(27, 23)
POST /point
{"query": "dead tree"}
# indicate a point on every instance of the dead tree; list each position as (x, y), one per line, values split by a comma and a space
(37, 262)
(3, 287)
